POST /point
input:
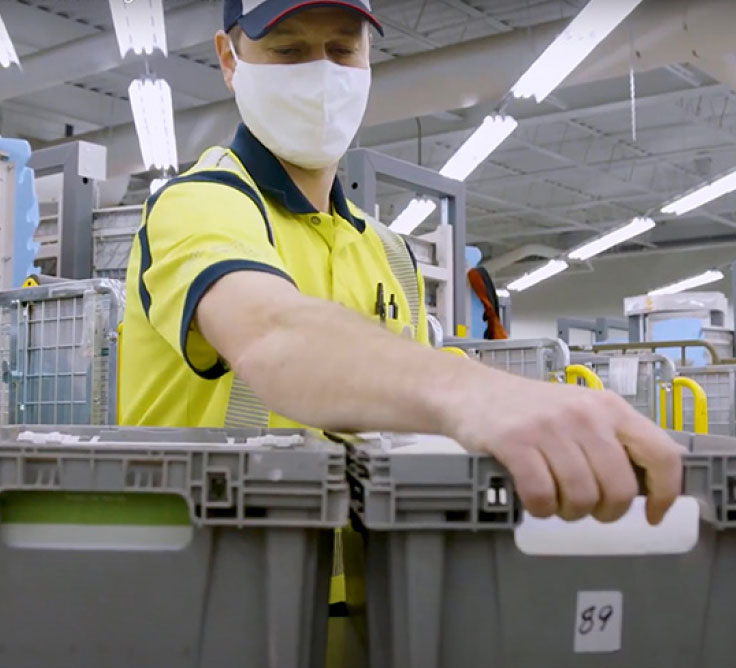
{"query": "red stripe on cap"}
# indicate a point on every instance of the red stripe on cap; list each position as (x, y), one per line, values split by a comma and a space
(301, 5)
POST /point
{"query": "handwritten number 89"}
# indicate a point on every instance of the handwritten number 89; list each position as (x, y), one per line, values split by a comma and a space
(588, 617)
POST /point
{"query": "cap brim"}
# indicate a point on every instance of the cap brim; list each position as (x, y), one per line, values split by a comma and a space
(257, 23)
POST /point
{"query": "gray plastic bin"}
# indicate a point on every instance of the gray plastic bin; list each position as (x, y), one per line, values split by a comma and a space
(164, 548)
(58, 350)
(446, 587)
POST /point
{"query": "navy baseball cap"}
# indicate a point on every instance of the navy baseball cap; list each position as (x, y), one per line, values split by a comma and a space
(257, 17)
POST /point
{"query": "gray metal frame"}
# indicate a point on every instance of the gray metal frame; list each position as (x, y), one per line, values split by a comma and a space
(533, 358)
(75, 213)
(365, 168)
(599, 326)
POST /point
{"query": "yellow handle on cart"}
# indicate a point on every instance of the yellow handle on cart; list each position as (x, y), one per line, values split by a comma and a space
(700, 405)
(454, 351)
(576, 372)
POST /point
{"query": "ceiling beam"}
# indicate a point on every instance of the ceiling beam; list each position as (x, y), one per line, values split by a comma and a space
(474, 13)
(396, 134)
(409, 32)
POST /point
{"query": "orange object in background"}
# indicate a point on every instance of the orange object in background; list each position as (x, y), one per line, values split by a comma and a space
(482, 284)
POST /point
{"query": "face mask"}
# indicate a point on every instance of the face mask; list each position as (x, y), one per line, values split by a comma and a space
(306, 114)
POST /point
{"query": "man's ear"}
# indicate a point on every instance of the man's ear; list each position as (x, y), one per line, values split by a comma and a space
(225, 56)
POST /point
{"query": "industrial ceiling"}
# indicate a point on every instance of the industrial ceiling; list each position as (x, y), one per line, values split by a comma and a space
(583, 162)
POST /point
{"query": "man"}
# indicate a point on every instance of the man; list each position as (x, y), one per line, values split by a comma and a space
(258, 295)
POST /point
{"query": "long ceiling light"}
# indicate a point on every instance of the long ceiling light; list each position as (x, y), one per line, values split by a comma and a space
(153, 114)
(8, 54)
(586, 31)
(417, 211)
(139, 26)
(597, 246)
(485, 140)
(552, 268)
(708, 193)
(712, 276)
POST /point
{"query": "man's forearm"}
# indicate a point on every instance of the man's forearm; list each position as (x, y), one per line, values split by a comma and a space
(325, 366)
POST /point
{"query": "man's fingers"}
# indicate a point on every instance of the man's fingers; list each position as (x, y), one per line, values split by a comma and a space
(577, 487)
(614, 473)
(661, 458)
(532, 479)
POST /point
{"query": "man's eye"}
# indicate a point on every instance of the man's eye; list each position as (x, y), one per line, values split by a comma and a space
(286, 51)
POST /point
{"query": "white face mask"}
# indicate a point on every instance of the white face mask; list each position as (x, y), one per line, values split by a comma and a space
(306, 114)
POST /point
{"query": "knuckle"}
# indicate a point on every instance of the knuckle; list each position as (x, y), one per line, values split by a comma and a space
(666, 457)
(581, 499)
(540, 504)
(621, 496)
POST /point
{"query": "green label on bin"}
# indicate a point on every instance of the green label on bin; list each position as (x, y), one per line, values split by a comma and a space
(18, 507)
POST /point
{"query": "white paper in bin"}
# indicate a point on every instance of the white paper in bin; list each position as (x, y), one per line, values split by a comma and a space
(630, 536)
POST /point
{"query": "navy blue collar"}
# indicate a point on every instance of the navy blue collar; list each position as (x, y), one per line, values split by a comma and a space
(271, 178)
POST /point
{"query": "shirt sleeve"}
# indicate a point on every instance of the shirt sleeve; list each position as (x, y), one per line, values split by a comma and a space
(193, 235)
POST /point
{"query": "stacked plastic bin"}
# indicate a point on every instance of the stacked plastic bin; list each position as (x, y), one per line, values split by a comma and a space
(446, 585)
(166, 548)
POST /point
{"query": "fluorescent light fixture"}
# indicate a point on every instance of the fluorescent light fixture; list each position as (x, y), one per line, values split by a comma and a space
(153, 113)
(712, 276)
(597, 246)
(157, 184)
(552, 268)
(504, 294)
(486, 139)
(586, 31)
(139, 26)
(416, 212)
(8, 54)
(708, 193)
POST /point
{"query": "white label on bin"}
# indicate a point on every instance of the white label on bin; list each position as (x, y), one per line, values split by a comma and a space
(598, 622)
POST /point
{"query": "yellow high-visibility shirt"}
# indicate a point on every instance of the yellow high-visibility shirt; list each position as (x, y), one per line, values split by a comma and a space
(238, 210)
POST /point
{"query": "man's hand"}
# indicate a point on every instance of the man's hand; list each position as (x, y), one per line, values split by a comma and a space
(570, 449)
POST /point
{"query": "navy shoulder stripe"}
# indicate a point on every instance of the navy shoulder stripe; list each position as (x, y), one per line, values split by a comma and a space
(411, 254)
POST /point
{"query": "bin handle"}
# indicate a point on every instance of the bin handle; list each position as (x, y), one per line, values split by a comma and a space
(576, 372)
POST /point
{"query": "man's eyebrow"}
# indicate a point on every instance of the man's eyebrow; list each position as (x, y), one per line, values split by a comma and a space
(352, 31)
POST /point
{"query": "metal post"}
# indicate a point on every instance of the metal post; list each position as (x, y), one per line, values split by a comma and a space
(79, 163)
(636, 328)
(733, 302)
(365, 168)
